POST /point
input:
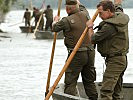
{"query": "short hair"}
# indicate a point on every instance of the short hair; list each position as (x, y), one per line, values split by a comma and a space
(106, 4)
(34, 8)
(48, 6)
(27, 9)
(71, 6)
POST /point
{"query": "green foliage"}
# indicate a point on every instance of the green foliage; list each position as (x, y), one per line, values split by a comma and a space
(5, 5)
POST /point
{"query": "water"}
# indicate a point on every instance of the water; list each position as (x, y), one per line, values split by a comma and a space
(24, 61)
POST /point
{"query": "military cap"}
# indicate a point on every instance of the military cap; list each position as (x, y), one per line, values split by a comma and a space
(71, 2)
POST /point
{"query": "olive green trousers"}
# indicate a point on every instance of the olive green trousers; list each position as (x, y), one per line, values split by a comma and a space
(113, 78)
(83, 62)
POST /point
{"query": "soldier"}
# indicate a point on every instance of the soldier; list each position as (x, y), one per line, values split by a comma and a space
(113, 44)
(49, 17)
(41, 24)
(35, 12)
(83, 62)
(27, 16)
(36, 15)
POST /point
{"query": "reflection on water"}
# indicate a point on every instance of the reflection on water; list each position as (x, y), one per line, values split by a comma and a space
(24, 62)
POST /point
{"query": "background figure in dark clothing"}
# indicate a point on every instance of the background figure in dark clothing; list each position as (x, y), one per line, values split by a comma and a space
(27, 16)
(36, 15)
(49, 17)
(83, 62)
(41, 24)
(35, 12)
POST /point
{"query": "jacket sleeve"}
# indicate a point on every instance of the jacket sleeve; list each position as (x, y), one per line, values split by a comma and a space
(25, 15)
(63, 24)
(105, 32)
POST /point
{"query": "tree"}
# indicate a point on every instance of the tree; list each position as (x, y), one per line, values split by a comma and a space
(5, 7)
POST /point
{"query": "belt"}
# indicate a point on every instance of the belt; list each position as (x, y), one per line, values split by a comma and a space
(80, 49)
(117, 54)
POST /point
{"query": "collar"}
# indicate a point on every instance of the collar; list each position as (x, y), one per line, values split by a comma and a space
(74, 11)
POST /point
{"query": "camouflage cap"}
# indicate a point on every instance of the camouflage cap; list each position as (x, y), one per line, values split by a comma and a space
(71, 2)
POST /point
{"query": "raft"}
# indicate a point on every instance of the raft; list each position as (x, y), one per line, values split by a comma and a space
(59, 94)
(27, 29)
(48, 35)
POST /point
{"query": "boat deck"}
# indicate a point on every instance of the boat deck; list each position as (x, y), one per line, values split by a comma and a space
(59, 94)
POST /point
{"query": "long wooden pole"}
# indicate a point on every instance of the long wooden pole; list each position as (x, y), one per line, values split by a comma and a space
(52, 53)
(15, 24)
(70, 58)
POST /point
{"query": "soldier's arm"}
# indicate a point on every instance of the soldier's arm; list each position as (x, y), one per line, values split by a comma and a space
(23, 17)
(63, 24)
(118, 5)
(104, 33)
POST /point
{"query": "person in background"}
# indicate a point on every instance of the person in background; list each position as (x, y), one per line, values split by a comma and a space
(113, 44)
(27, 16)
(35, 12)
(83, 62)
(36, 15)
(49, 17)
(41, 24)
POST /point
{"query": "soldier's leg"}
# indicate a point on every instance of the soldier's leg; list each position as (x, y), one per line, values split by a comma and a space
(89, 76)
(118, 88)
(51, 25)
(35, 22)
(41, 25)
(25, 22)
(47, 25)
(115, 66)
(29, 23)
(72, 73)
(70, 82)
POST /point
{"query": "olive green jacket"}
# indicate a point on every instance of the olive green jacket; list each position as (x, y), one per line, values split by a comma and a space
(27, 15)
(49, 13)
(112, 35)
(63, 24)
(73, 26)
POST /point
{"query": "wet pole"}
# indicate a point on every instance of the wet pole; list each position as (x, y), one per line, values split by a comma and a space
(16, 24)
(52, 53)
(70, 58)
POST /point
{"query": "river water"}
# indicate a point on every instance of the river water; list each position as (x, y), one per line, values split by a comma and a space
(24, 61)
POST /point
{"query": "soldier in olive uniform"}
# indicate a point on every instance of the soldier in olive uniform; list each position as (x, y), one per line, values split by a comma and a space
(41, 24)
(35, 12)
(27, 16)
(49, 17)
(83, 62)
(113, 44)
(36, 15)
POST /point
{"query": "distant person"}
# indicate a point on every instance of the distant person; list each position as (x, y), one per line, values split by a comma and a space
(41, 23)
(83, 62)
(35, 12)
(27, 16)
(36, 15)
(49, 17)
